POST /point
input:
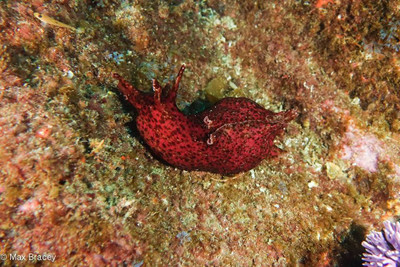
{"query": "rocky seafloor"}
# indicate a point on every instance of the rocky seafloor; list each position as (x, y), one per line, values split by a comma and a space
(76, 182)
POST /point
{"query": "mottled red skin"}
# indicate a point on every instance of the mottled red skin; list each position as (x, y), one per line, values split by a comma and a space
(232, 136)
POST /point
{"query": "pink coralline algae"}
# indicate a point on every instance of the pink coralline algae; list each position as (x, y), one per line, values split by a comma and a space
(363, 150)
(232, 136)
(383, 248)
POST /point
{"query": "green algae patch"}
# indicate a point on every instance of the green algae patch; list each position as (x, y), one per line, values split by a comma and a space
(215, 89)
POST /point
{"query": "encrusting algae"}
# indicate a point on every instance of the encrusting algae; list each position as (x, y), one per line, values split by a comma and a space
(77, 183)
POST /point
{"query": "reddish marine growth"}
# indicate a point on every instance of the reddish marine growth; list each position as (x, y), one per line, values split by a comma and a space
(233, 136)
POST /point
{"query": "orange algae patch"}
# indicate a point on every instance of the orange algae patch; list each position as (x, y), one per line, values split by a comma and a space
(321, 3)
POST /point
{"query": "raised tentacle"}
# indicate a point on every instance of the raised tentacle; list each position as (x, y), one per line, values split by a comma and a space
(173, 91)
(157, 91)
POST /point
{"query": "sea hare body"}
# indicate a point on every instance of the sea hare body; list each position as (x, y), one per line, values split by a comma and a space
(232, 136)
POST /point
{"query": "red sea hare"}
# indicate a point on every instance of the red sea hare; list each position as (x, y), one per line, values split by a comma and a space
(232, 136)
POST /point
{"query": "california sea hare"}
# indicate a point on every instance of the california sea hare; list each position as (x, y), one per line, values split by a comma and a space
(232, 136)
